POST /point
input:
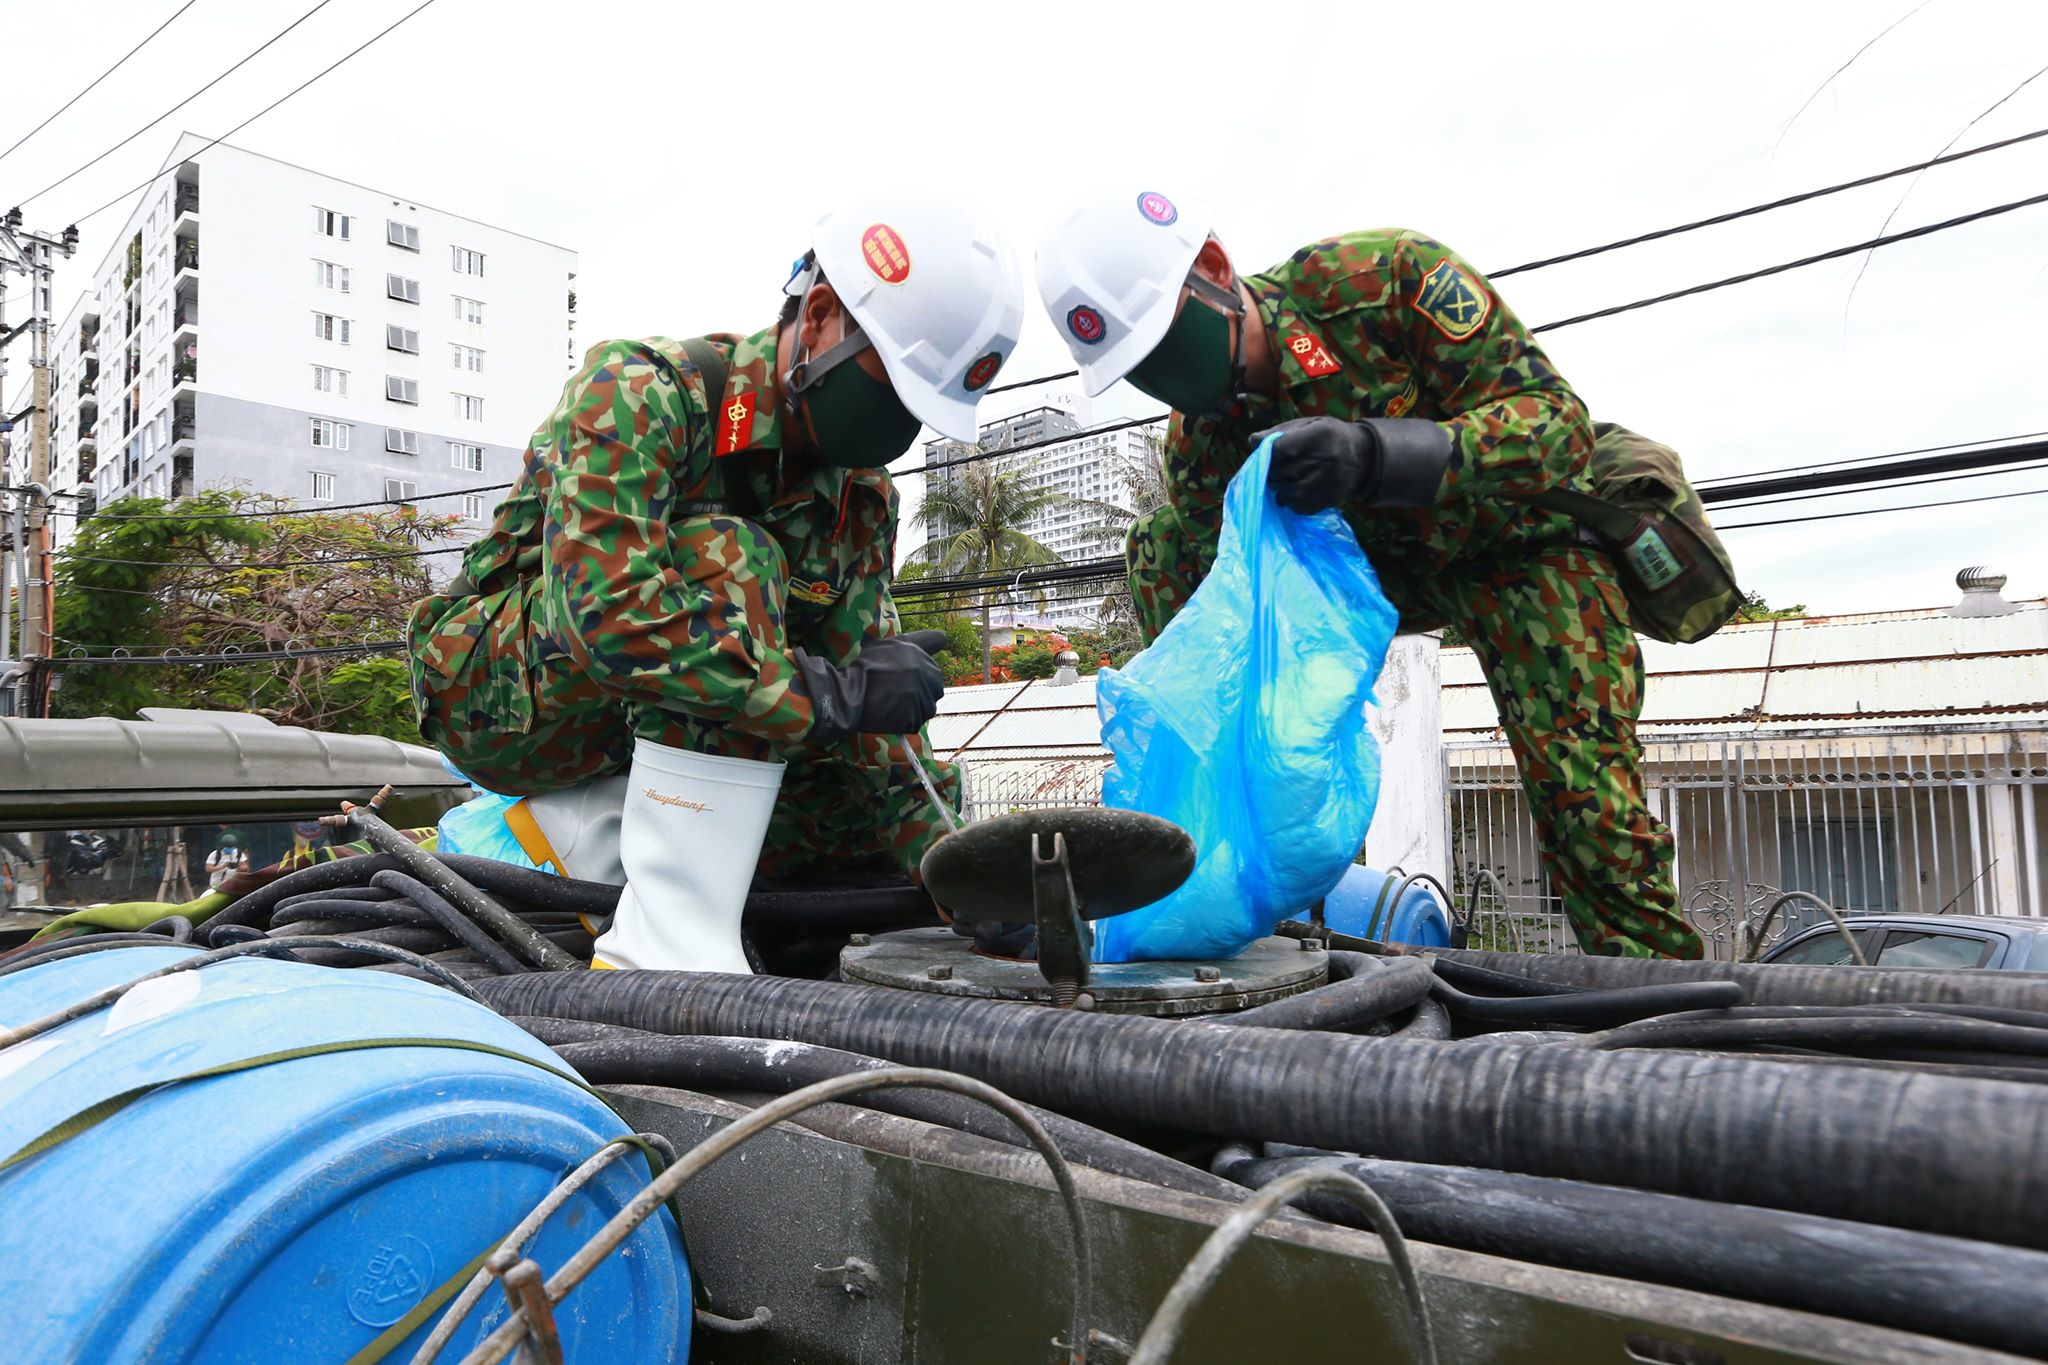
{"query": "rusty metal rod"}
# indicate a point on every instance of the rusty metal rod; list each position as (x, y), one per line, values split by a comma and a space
(507, 927)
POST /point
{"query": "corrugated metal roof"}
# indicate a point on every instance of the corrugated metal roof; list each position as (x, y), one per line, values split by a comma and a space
(1018, 720)
(1822, 671)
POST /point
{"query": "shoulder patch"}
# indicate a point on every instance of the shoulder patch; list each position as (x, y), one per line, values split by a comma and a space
(1454, 305)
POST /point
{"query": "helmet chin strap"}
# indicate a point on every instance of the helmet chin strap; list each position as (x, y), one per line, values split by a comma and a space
(808, 370)
(1228, 302)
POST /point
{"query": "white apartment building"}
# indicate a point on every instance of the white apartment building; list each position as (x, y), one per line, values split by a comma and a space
(261, 326)
(1088, 468)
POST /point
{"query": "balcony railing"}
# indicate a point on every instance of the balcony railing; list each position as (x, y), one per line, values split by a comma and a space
(188, 316)
(188, 255)
(188, 199)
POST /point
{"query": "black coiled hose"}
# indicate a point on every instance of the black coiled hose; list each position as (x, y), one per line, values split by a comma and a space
(1952, 1155)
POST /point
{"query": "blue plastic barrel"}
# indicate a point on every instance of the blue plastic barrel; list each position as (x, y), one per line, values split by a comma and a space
(294, 1211)
(1417, 919)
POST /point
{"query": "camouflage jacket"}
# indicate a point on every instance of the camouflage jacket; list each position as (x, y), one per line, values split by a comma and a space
(1391, 324)
(612, 538)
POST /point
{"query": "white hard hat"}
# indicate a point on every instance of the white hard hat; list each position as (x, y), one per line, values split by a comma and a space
(1110, 271)
(935, 288)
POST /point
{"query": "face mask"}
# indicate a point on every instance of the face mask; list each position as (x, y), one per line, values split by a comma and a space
(1191, 368)
(857, 419)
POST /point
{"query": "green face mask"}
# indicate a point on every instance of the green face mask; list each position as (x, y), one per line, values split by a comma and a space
(1190, 370)
(857, 419)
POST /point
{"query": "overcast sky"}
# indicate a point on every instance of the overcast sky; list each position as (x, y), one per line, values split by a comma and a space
(683, 150)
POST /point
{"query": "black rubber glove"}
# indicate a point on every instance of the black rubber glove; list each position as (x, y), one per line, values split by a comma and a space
(1323, 462)
(892, 687)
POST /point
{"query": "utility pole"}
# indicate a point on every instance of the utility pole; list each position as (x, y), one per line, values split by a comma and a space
(33, 255)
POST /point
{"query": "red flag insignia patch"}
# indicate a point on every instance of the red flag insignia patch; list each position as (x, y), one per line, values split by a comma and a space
(736, 424)
(1313, 357)
(1450, 300)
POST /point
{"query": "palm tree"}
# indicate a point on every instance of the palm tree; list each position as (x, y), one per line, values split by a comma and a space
(1143, 476)
(974, 517)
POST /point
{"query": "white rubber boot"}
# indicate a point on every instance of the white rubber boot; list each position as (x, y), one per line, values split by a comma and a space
(691, 832)
(575, 830)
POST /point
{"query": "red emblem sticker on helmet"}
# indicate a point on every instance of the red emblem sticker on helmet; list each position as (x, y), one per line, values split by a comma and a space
(1157, 208)
(885, 254)
(981, 371)
(1086, 324)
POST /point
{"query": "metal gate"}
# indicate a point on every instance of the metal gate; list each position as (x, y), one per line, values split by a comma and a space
(1948, 821)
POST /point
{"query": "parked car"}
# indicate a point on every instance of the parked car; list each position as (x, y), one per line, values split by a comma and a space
(2009, 943)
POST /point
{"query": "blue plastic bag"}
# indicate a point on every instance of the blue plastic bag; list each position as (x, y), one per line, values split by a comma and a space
(1245, 724)
(477, 827)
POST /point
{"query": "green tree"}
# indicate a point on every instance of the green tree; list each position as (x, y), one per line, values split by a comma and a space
(963, 639)
(1754, 608)
(203, 577)
(973, 518)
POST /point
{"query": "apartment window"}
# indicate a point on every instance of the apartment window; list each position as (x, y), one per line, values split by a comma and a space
(328, 275)
(470, 458)
(330, 224)
(470, 311)
(323, 487)
(473, 507)
(468, 262)
(401, 442)
(402, 289)
(400, 490)
(330, 381)
(402, 339)
(468, 358)
(402, 235)
(328, 327)
(402, 390)
(468, 408)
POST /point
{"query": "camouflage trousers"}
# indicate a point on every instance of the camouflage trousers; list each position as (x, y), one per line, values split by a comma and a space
(518, 715)
(1552, 634)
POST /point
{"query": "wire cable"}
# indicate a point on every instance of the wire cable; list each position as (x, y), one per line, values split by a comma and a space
(1872, 511)
(246, 59)
(319, 509)
(97, 79)
(1754, 209)
(1867, 459)
(1803, 261)
(294, 91)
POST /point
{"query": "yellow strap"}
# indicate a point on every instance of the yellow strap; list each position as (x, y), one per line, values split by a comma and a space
(532, 841)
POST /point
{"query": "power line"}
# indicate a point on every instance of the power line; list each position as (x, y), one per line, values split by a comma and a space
(252, 656)
(1872, 511)
(326, 563)
(1895, 469)
(1888, 487)
(1838, 252)
(97, 79)
(246, 59)
(1755, 209)
(295, 90)
(1867, 459)
(317, 510)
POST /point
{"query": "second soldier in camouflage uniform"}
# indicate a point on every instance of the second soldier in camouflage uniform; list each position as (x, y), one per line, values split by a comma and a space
(1390, 324)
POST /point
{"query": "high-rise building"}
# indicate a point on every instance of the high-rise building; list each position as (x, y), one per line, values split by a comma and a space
(261, 326)
(1090, 468)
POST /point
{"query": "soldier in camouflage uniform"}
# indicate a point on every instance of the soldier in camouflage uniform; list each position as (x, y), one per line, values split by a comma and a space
(703, 564)
(1405, 393)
